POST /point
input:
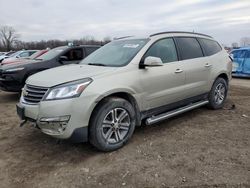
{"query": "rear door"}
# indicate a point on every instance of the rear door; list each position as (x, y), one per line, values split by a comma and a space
(164, 84)
(196, 66)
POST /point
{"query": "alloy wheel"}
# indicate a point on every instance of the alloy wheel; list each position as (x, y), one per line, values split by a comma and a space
(220, 92)
(116, 125)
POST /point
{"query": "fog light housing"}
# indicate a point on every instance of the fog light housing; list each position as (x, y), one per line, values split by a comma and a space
(54, 125)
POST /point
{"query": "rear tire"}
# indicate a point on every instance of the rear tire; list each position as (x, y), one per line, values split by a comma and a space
(218, 94)
(112, 124)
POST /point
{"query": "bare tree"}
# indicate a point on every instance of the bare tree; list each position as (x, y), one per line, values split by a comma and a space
(245, 41)
(107, 39)
(8, 36)
(235, 45)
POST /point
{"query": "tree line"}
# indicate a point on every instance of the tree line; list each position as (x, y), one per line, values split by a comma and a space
(10, 40)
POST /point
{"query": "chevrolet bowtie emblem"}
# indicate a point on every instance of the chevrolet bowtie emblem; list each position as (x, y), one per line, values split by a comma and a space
(25, 93)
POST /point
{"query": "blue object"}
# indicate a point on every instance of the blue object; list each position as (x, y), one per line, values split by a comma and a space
(241, 63)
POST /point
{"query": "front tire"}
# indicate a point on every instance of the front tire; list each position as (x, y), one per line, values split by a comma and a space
(218, 94)
(112, 124)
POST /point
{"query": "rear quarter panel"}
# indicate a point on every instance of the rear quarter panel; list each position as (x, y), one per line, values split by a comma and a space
(221, 64)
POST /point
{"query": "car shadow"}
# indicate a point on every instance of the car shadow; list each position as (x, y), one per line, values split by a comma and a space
(6, 97)
(241, 77)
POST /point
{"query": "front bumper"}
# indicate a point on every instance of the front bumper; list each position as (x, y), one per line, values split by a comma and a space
(63, 119)
(9, 83)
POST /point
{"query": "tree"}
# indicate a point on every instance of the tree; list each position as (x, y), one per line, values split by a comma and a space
(245, 41)
(106, 39)
(235, 45)
(8, 37)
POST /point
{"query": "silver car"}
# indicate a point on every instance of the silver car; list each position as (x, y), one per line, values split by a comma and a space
(126, 83)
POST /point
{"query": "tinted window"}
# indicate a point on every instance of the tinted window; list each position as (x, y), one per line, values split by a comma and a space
(189, 48)
(89, 50)
(74, 54)
(210, 47)
(164, 49)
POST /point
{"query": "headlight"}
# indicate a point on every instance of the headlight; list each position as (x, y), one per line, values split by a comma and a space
(14, 69)
(68, 90)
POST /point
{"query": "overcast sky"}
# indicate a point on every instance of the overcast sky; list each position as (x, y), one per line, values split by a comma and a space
(226, 20)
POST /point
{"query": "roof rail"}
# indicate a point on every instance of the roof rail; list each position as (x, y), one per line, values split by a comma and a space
(118, 38)
(180, 32)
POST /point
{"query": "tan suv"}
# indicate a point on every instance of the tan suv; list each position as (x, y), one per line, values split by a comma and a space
(125, 83)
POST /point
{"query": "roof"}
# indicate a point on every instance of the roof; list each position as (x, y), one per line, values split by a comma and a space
(245, 48)
(161, 33)
(75, 46)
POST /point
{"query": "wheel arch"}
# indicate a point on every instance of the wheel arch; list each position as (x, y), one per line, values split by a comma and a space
(224, 76)
(120, 94)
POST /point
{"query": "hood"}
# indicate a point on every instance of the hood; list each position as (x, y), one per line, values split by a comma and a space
(14, 60)
(67, 73)
(3, 57)
(17, 64)
(10, 59)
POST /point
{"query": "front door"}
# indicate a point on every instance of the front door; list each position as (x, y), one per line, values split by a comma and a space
(164, 84)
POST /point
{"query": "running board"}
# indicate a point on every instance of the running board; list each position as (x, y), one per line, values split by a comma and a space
(166, 115)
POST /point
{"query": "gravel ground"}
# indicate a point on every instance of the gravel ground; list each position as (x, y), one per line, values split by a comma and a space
(202, 148)
(245, 82)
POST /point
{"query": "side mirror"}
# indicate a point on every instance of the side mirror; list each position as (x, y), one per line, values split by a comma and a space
(63, 58)
(151, 61)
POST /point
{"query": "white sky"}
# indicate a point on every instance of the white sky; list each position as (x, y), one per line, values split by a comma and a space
(225, 20)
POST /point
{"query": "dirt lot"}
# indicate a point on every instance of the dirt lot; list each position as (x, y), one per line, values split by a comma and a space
(202, 148)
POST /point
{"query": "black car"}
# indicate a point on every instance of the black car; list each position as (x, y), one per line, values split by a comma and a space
(13, 76)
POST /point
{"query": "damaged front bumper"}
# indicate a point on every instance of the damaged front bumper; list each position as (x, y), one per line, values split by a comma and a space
(53, 126)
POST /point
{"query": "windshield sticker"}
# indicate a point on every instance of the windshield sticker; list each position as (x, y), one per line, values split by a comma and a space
(131, 45)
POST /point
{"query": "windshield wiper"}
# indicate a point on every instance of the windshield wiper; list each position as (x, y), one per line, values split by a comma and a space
(97, 64)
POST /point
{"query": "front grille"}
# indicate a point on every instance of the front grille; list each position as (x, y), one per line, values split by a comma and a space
(33, 94)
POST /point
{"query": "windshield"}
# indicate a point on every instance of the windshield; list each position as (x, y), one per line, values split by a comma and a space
(115, 54)
(34, 55)
(14, 54)
(37, 54)
(9, 53)
(52, 53)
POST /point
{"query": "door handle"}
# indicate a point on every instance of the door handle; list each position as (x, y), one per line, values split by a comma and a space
(178, 71)
(208, 65)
